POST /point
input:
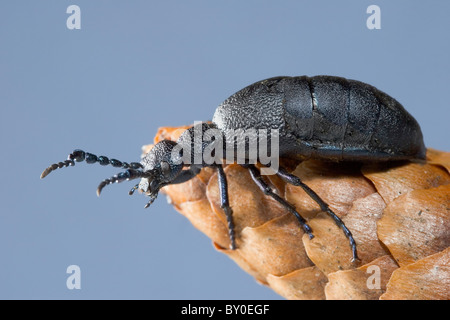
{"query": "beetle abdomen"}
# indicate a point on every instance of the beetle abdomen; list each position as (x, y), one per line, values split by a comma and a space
(325, 117)
(351, 120)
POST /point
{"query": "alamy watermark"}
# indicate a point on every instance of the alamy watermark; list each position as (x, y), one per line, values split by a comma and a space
(205, 144)
(374, 280)
(74, 280)
(74, 20)
(374, 20)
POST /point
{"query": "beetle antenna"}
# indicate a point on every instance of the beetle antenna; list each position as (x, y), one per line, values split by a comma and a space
(79, 156)
(130, 174)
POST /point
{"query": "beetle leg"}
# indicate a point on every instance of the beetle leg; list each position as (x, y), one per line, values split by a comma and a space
(258, 179)
(133, 189)
(186, 175)
(225, 205)
(294, 180)
(152, 199)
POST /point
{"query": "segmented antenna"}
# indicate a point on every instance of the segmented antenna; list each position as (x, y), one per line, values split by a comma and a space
(79, 156)
(123, 176)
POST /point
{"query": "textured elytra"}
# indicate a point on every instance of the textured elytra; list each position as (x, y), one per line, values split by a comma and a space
(324, 117)
(376, 203)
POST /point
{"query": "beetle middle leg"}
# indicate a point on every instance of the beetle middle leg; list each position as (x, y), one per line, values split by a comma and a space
(225, 205)
(294, 180)
(259, 181)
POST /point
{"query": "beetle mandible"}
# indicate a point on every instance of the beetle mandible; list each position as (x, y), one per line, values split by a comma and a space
(320, 117)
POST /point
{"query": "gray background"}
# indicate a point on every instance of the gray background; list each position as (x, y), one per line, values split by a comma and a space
(137, 65)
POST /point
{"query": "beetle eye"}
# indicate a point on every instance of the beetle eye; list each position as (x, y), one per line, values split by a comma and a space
(165, 167)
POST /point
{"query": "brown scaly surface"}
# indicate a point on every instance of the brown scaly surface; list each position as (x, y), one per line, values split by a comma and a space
(399, 216)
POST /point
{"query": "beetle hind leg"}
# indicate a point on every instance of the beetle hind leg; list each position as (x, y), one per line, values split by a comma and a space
(294, 180)
(259, 181)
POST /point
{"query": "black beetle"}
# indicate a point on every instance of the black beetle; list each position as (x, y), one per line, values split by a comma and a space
(321, 117)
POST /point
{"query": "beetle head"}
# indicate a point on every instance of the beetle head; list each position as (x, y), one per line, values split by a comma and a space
(161, 165)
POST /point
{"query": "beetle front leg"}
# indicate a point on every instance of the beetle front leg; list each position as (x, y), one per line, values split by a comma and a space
(225, 205)
(187, 175)
(259, 181)
(294, 180)
(136, 186)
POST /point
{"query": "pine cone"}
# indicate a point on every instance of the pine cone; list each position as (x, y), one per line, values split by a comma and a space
(399, 215)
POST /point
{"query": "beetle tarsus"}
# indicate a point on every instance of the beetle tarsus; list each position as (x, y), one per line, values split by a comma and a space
(133, 189)
(153, 197)
(294, 180)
